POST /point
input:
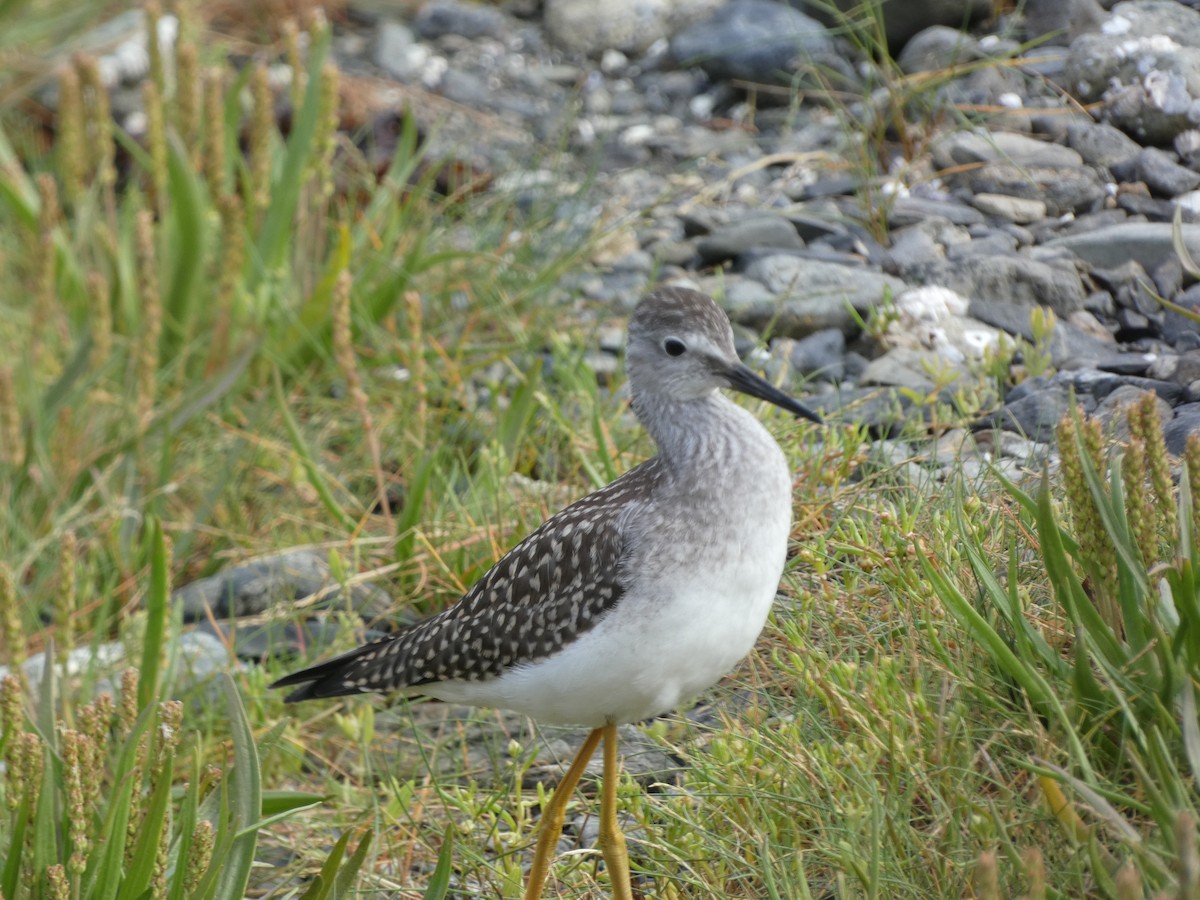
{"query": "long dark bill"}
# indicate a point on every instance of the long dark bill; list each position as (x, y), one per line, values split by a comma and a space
(743, 379)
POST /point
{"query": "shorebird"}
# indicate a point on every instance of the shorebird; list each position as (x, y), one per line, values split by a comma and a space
(630, 600)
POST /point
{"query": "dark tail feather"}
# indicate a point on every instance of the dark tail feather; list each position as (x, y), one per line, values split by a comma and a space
(326, 679)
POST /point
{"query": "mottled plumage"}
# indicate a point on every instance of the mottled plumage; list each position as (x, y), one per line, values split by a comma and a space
(542, 594)
(687, 548)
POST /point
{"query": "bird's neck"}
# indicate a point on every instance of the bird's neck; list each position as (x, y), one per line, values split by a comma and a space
(699, 431)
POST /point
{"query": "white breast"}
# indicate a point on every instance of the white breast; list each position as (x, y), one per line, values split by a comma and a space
(701, 584)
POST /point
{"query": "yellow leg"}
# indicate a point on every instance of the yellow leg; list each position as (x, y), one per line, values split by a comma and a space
(612, 841)
(553, 816)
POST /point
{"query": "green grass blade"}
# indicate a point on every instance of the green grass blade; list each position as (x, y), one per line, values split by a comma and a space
(186, 825)
(274, 238)
(187, 236)
(322, 885)
(317, 890)
(1133, 585)
(348, 875)
(315, 478)
(335, 881)
(65, 387)
(309, 332)
(1029, 640)
(439, 882)
(10, 872)
(103, 876)
(513, 426)
(1035, 687)
(157, 605)
(1190, 718)
(246, 799)
(47, 711)
(267, 820)
(46, 820)
(414, 506)
(16, 188)
(104, 865)
(215, 808)
(276, 802)
(145, 850)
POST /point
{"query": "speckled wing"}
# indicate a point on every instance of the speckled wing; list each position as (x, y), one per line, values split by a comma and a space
(549, 589)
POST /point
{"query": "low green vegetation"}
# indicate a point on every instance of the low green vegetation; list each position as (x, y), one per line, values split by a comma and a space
(218, 340)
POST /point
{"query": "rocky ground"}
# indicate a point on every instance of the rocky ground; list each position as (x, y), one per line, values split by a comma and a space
(890, 230)
(899, 233)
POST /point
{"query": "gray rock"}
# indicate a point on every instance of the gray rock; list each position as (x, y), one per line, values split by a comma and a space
(1012, 279)
(1186, 370)
(469, 89)
(468, 20)
(904, 367)
(1100, 384)
(758, 230)
(742, 292)
(1125, 363)
(883, 411)
(951, 447)
(1163, 175)
(1061, 18)
(917, 247)
(1113, 410)
(630, 26)
(938, 47)
(820, 355)
(252, 641)
(1189, 204)
(1079, 224)
(994, 243)
(1037, 410)
(283, 578)
(902, 19)
(199, 657)
(672, 253)
(649, 763)
(1070, 346)
(1012, 209)
(1009, 444)
(911, 210)
(1142, 206)
(892, 462)
(1050, 125)
(638, 261)
(809, 295)
(814, 227)
(829, 184)
(397, 52)
(1101, 144)
(1144, 65)
(1129, 286)
(1187, 145)
(1044, 60)
(755, 40)
(202, 656)
(1185, 423)
(1182, 369)
(1149, 243)
(964, 148)
(1063, 189)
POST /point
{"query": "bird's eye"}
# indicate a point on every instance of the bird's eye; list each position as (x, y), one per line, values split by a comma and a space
(674, 347)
